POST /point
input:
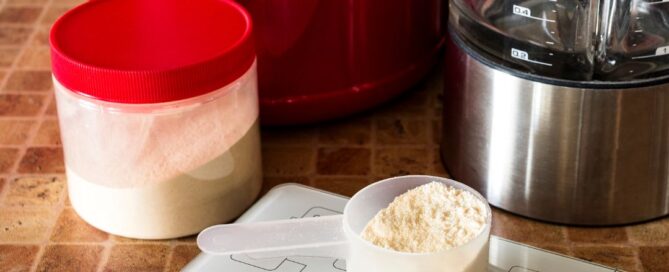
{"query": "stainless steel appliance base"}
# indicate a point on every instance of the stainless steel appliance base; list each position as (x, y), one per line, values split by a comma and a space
(574, 154)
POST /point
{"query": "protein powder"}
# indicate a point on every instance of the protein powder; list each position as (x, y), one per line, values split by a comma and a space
(429, 218)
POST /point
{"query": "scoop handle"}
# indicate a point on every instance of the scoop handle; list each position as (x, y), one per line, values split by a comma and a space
(316, 236)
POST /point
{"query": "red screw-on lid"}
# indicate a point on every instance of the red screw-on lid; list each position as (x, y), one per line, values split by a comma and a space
(151, 51)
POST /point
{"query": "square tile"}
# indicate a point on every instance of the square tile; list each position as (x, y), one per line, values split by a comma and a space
(597, 235)
(7, 56)
(26, 2)
(8, 157)
(288, 161)
(25, 225)
(271, 182)
(17, 258)
(3, 74)
(52, 110)
(71, 228)
(400, 131)
(69, 3)
(41, 37)
(339, 185)
(412, 104)
(343, 161)
(48, 134)
(623, 257)
(346, 132)
(396, 161)
(15, 132)
(29, 81)
(65, 258)
(19, 14)
(53, 13)
(181, 256)
(35, 191)
(132, 257)
(288, 136)
(35, 58)
(650, 233)
(20, 105)
(14, 35)
(42, 160)
(655, 258)
(527, 231)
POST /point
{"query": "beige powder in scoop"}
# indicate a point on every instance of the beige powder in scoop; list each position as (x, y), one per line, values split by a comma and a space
(428, 218)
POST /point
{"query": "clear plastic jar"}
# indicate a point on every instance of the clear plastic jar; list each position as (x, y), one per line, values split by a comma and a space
(164, 144)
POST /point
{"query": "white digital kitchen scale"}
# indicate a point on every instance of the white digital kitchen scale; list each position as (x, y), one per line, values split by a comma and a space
(298, 201)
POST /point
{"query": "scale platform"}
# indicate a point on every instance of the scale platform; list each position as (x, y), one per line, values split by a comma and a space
(298, 201)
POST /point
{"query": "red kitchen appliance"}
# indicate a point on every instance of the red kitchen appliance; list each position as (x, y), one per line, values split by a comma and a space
(323, 59)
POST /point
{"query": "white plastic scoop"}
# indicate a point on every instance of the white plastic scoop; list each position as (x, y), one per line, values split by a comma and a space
(338, 236)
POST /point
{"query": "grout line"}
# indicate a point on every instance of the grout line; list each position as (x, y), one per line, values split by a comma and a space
(8, 47)
(24, 5)
(106, 253)
(637, 256)
(26, 92)
(38, 258)
(17, 146)
(26, 118)
(38, 175)
(170, 256)
(31, 69)
(16, 25)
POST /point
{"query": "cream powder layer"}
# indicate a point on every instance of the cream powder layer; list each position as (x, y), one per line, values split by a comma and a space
(213, 193)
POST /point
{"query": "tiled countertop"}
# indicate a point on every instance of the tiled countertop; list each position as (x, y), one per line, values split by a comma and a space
(40, 232)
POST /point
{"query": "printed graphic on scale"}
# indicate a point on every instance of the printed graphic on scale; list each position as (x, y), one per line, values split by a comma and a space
(295, 263)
